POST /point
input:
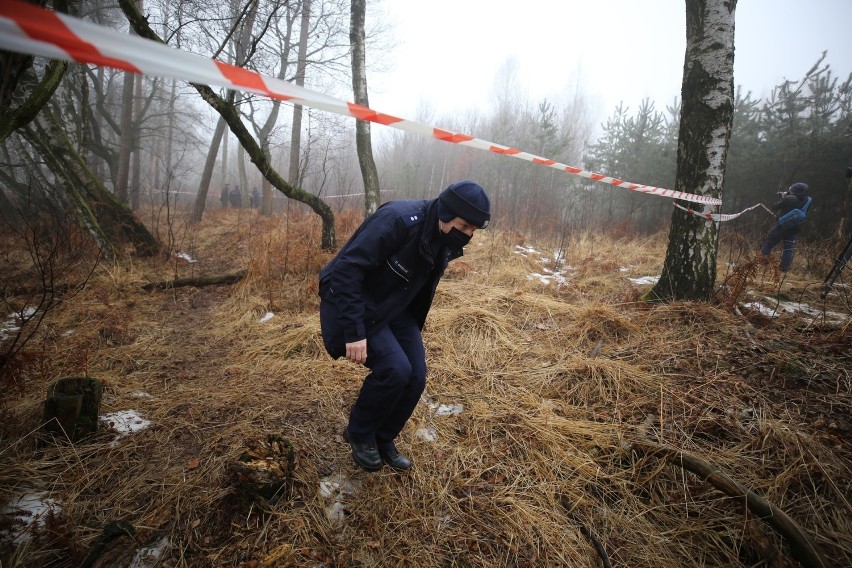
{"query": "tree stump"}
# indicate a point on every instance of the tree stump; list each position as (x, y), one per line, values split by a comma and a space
(265, 468)
(72, 407)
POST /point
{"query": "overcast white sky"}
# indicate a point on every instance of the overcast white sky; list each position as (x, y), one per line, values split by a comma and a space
(448, 52)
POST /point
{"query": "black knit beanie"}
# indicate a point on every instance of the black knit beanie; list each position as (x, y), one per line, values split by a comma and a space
(465, 199)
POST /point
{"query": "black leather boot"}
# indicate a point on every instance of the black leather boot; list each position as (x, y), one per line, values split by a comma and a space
(365, 454)
(391, 456)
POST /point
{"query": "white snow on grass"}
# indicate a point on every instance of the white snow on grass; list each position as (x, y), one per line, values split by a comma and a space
(125, 422)
(140, 394)
(641, 281)
(427, 434)
(12, 325)
(26, 513)
(266, 317)
(186, 257)
(524, 251)
(547, 275)
(442, 409)
(449, 409)
(771, 307)
(336, 489)
(149, 556)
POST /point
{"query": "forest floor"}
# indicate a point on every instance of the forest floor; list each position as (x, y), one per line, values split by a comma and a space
(553, 396)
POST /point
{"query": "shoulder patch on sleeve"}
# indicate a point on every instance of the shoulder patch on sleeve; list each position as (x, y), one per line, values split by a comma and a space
(413, 217)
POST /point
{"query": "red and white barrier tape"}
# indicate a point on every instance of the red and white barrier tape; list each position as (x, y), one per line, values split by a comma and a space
(721, 216)
(25, 28)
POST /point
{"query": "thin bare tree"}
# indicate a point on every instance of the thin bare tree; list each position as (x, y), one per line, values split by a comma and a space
(363, 140)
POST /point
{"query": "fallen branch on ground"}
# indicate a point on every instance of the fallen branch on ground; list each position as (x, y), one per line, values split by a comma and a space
(197, 281)
(802, 548)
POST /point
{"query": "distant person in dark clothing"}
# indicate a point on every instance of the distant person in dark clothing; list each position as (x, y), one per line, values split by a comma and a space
(236, 197)
(225, 196)
(790, 212)
(374, 298)
(254, 198)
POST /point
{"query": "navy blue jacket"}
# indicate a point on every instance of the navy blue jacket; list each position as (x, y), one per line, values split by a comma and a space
(789, 202)
(392, 263)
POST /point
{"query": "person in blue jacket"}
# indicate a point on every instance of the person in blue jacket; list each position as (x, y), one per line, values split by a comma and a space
(796, 197)
(374, 298)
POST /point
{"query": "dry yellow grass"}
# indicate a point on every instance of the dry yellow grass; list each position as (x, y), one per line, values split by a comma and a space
(523, 446)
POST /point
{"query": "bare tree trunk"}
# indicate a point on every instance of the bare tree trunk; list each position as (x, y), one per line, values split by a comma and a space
(126, 147)
(153, 168)
(102, 213)
(225, 158)
(296, 132)
(14, 118)
(689, 271)
(207, 172)
(136, 167)
(265, 131)
(241, 168)
(363, 143)
(98, 164)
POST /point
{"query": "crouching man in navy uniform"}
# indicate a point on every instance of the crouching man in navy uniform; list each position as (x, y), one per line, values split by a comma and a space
(374, 298)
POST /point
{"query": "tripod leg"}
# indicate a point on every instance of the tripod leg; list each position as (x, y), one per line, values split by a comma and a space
(838, 267)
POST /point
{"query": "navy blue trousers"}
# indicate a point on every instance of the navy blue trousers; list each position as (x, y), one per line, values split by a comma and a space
(788, 237)
(390, 393)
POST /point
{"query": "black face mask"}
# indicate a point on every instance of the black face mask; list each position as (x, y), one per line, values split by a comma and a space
(455, 239)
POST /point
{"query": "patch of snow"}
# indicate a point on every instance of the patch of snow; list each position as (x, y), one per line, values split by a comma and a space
(540, 277)
(445, 409)
(427, 434)
(761, 308)
(524, 251)
(644, 280)
(266, 317)
(773, 308)
(548, 277)
(27, 512)
(12, 326)
(442, 409)
(140, 394)
(186, 257)
(149, 556)
(125, 421)
(337, 489)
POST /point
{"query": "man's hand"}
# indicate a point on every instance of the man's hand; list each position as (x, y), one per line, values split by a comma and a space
(357, 351)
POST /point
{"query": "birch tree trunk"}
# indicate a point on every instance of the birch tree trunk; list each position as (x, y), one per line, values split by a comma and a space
(689, 270)
(363, 141)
